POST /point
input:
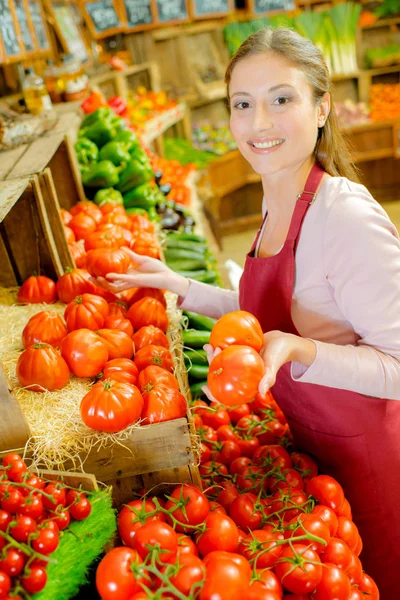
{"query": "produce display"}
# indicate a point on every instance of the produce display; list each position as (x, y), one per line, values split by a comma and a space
(385, 101)
(266, 527)
(215, 138)
(382, 56)
(351, 113)
(48, 529)
(183, 151)
(188, 255)
(144, 105)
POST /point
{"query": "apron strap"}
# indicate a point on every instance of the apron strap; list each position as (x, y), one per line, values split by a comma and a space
(304, 200)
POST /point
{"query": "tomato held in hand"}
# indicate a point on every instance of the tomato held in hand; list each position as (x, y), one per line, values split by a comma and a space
(40, 368)
(85, 352)
(37, 290)
(119, 574)
(111, 406)
(101, 261)
(234, 375)
(239, 328)
(45, 327)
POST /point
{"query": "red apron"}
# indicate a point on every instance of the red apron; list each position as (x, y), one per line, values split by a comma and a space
(354, 438)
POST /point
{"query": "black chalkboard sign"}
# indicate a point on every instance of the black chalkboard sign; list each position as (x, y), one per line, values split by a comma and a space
(38, 24)
(266, 6)
(7, 30)
(210, 7)
(138, 12)
(24, 26)
(171, 10)
(103, 15)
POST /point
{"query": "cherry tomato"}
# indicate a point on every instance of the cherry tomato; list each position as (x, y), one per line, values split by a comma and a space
(5, 584)
(338, 553)
(244, 512)
(260, 547)
(35, 579)
(13, 562)
(119, 574)
(221, 533)
(188, 505)
(32, 506)
(334, 585)
(327, 491)
(23, 528)
(302, 576)
(46, 541)
(59, 496)
(15, 467)
(133, 516)
(160, 537)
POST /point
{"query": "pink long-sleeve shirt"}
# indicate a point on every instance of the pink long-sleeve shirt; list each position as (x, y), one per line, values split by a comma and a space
(346, 296)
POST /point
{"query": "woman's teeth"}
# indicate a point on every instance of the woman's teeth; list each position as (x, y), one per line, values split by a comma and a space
(267, 144)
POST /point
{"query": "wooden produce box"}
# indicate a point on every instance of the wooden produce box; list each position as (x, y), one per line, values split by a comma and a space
(55, 152)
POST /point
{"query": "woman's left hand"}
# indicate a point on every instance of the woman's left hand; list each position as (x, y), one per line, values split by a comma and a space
(280, 348)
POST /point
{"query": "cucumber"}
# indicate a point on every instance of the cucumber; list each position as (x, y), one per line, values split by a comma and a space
(198, 371)
(188, 237)
(195, 339)
(178, 255)
(197, 274)
(196, 391)
(198, 357)
(195, 264)
(199, 321)
(209, 276)
(186, 245)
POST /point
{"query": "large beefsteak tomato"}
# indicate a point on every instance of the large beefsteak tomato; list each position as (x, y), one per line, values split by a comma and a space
(149, 335)
(154, 355)
(118, 342)
(101, 261)
(73, 283)
(85, 352)
(162, 403)
(86, 312)
(148, 311)
(120, 369)
(45, 327)
(111, 406)
(240, 328)
(40, 367)
(37, 290)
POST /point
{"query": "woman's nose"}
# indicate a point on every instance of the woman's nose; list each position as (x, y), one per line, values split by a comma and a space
(262, 118)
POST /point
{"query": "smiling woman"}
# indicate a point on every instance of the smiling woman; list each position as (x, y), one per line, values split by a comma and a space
(323, 280)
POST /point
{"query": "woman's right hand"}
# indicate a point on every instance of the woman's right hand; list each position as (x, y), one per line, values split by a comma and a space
(147, 272)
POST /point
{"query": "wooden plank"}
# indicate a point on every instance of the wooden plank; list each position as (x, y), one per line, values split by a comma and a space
(65, 173)
(85, 481)
(125, 489)
(37, 156)
(153, 448)
(14, 430)
(9, 158)
(160, 481)
(7, 275)
(10, 192)
(56, 225)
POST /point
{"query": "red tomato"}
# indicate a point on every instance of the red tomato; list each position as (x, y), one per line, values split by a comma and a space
(35, 580)
(270, 580)
(5, 519)
(23, 528)
(188, 505)
(334, 585)
(69, 235)
(154, 355)
(368, 586)
(150, 335)
(309, 523)
(234, 375)
(226, 452)
(240, 328)
(338, 553)
(326, 490)
(45, 327)
(103, 239)
(285, 478)
(190, 570)
(32, 506)
(216, 416)
(228, 494)
(118, 308)
(238, 412)
(260, 547)
(135, 294)
(58, 494)
(227, 578)
(82, 225)
(285, 501)
(146, 243)
(11, 501)
(303, 578)
(81, 509)
(15, 466)
(86, 312)
(272, 456)
(244, 512)
(354, 570)
(118, 575)
(101, 261)
(148, 311)
(258, 591)
(154, 375)
(221, 533)
(40, 367)
(111, 406)
(239, 465)
(303, 463)
(87, 207)
(123, 370)
(163, 403)
(85, 352)
(348, 532)
(37, 290)
(133, 516)
(186, 545)
(118, 322)
(345, 510)
(12, 562)
(157, 536)
(327, 515)
(119, 343)
(46, 541)
(73, 283)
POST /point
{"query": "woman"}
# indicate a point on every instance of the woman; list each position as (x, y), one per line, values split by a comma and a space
(323, 278)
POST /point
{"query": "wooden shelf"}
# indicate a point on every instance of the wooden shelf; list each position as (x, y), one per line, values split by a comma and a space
(382, 23)
(373, 155)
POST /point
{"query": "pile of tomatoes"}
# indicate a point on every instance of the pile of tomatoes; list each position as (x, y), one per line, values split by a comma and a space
(33, 512)
(176, 175)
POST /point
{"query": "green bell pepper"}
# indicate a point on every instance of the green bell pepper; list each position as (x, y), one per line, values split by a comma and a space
(100, 132)
(142, 196)
(135, 173)
(101, 174)
(101, 114)
(136, 211)
(128, 138)
(108, 195)
(116, 152)
(86, 151)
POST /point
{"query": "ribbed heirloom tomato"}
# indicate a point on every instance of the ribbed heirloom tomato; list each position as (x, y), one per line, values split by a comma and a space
(101, 261)
(148, 311)
(37, 290)
(240, 328)
(87, 207)
(111, 406)
(120, 369)
(118, 322)
(119, 343)
(73, 283)
(154, 375)
(82, 225)
(163, 403)
(135, 294)
(154, 355)
(85, 352)
(45, 327)
(234, 375)
(149, 335)
(40, 367)
(86, 312)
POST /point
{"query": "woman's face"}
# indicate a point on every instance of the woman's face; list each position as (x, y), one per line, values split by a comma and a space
(274, 118)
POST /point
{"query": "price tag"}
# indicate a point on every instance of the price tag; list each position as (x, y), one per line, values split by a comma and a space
(172, 10)
(24, 25)
(7, 31)
(39, 25)
(266, 6)
(103, 16)
(138, 12)
(202, 8)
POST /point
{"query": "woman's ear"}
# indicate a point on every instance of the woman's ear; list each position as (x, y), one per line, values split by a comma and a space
(324, 109)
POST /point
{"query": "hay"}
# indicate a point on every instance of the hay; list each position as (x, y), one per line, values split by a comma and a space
(58, 432)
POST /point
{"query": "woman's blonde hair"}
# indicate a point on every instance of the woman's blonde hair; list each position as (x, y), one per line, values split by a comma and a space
(331, 150)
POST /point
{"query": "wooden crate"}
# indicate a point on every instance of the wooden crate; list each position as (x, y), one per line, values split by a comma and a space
(55, 152)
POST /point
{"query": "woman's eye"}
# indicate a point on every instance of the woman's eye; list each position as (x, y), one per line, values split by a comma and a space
(242, 105)
(281, 100)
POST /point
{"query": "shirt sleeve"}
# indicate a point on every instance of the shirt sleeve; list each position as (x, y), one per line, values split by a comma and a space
(209, 300)
(361, 259)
